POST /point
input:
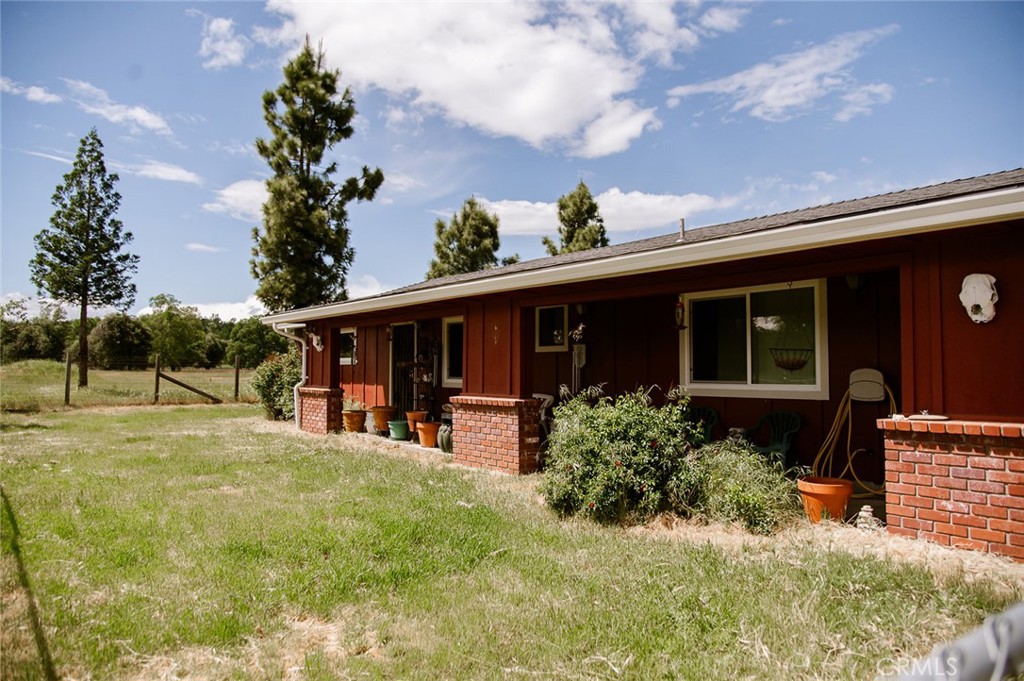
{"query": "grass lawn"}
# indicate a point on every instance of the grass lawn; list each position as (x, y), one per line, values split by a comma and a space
(38, 385)
(204, 542)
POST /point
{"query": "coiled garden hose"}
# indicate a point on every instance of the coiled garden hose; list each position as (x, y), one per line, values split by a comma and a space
(823, 462)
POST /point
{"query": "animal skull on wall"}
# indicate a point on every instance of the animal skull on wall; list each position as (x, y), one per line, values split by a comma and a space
(978, 295)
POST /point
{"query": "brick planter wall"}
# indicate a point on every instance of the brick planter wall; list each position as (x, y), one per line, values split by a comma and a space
(320, 410)
(500, 433)
(958, 483)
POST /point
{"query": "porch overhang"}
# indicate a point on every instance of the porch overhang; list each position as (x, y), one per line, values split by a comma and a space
(951, 213)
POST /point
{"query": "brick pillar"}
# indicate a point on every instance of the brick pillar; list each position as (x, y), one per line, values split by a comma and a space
(500, 433)
(320, 409)
(958, 483)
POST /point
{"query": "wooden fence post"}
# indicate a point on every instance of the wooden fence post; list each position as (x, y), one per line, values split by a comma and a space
(156, 380)
(238, 366)
(67, 378)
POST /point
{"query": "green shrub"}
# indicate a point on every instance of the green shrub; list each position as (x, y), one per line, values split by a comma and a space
(274, 381)
(729, 481)
(612, 461)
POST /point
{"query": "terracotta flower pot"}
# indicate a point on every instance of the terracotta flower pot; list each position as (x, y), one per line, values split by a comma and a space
(427, 431)
(415, 417)
(822, 495)
(381, 416)
(355, 421)
(399, 429)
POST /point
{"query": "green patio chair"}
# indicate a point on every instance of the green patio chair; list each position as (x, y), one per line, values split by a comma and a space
(782, 426)
(706, 416)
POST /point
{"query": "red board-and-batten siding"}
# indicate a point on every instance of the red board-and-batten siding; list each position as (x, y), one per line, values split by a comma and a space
(958, 483)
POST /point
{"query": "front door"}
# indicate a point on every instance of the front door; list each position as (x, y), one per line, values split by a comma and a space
(403, 357)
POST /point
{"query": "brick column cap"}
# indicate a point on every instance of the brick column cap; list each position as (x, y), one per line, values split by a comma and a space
(492, 401)
(953, 427)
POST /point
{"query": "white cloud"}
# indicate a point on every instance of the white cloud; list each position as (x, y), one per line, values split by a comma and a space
(557, 76)
(364, 285)
(252, 307)
(863, 100)
(32, 93)
(242, 200)
(203, 248)
(614, 131)
(158, 170)
(524, 217)
(221, 46)
(824, 177)
(723, 19)
(621, 211)
(788, 85)
(52, 157)
(93, 100)
(401, 182)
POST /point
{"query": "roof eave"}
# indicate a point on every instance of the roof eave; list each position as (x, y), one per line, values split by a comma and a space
(961, 211)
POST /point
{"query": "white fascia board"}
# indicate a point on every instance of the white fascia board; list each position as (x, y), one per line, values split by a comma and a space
(950, 213)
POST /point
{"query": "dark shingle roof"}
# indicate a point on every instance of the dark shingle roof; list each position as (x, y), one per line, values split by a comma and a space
(805, 216)
(871, 204)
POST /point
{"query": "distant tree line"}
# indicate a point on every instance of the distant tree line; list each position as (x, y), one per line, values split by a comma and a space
(178, 333)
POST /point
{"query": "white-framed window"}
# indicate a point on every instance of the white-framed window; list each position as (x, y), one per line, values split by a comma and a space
(765, 341)
(347, 347)
(451, 352)
(552, 329)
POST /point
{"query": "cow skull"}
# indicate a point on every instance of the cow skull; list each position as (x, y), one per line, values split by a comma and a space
(978, 295)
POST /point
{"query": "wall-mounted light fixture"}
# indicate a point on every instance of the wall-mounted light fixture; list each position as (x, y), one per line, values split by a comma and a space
(680, 313)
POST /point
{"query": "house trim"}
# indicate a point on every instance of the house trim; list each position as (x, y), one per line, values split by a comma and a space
(938, 215)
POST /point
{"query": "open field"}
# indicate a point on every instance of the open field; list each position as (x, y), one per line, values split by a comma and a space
(38, 385)
(205, 542)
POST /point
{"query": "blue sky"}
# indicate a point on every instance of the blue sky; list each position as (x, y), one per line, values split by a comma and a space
(711, 112)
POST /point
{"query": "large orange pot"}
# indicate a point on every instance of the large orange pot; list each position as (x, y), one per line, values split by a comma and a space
(381, 416)
(821, 495)
(355, 421)
(427, 431)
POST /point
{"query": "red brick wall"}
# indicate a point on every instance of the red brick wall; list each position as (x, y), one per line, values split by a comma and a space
(500, 433)
(320, 410)
(958, 483)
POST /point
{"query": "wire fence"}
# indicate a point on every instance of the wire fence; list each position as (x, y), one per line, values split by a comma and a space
(44, 385)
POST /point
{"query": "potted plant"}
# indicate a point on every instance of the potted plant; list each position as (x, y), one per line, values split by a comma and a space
(427, 432)
(354, 415)
(399, 429)
(824, 495)
(381, 415)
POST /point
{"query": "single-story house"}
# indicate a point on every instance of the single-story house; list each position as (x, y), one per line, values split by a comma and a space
(768, 314)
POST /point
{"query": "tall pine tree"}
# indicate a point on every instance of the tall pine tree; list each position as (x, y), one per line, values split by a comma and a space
(468, 243)
(79, 259)
(302, 254)
(582, 227)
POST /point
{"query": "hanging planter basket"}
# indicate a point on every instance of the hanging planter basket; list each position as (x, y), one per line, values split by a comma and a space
(791, 359)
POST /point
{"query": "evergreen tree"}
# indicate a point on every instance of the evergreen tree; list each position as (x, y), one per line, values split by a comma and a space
(302, 254)
(467, 244)
(582, 227)
(79, 258)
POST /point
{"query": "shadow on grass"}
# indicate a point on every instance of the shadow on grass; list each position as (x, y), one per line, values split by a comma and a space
(45, 661)
(14, 427)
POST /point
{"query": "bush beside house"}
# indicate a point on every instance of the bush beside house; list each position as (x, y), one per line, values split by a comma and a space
(625, 460)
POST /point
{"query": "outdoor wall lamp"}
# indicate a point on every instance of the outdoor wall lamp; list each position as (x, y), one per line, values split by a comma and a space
(680, 313)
